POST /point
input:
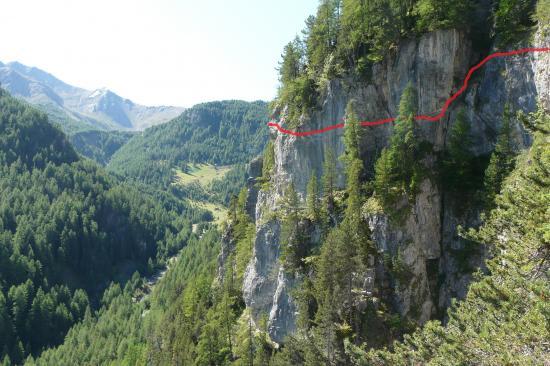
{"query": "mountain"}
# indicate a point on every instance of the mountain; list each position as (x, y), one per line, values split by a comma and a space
(99, 145)
(220, 133)
(387, 245)
(75, 108)
(396, 244)
(67, 229)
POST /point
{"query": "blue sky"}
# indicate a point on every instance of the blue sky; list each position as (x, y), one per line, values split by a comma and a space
(176, 52)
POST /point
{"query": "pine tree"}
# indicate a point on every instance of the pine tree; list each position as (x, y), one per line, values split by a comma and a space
(322, 34)
(384, 178)
(312, 198)
(513, 18)
(352, 251)
(326, 284)
(399, 171)
(242, 215)
(268, 162)
(441, 14)
(293, 243)
(233, 209)
(263, 349)
(228, 316)
(457, 163)
(291, 65)
(404, 144)
(357, 244)
(6, 326)
(352, 133)
(6, 361)
(354, 166)
(329, 185)
(502, 159)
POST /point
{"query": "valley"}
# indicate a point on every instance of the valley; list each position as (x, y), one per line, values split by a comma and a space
(327, 226)
(202, 174)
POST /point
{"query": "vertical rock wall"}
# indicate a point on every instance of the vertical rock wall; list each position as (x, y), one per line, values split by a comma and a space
(436, 65)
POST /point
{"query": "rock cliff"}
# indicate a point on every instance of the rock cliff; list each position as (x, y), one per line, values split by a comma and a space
(426, 242)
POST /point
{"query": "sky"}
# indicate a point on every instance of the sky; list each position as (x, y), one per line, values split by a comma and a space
(156, 52)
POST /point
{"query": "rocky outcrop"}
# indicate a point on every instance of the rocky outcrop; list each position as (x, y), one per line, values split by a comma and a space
(541, 67)
(436, 65)
(254, 170)
(228, 242)
(262, 279)
(415, 244)
(227, 247)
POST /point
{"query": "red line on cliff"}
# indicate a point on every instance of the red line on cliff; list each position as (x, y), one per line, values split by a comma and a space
(421, 117)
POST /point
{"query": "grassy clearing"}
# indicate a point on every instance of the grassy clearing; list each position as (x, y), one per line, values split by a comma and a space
(219, 212)
(204, 174)
(201, 173)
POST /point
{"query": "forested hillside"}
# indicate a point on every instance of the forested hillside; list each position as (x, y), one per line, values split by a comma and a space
(128, 332)
(504, 319)
(99, 145)
(187, 320)
(66, 230)
(219, 133)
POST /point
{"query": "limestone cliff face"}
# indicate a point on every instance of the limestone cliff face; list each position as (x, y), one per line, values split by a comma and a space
(436, 65)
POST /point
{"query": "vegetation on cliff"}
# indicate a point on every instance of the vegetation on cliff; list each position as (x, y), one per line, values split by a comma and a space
(346, 37)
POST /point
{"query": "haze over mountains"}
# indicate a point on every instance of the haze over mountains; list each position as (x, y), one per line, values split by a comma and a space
(74, 108)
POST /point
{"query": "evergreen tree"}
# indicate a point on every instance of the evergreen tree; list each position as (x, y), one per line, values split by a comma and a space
(352, 134)
(442, 14)
(384, 178)
(398, 170)
(6, 326)
(457, 170)
(6, 361)
(542, 13)
(326, 284)
(370, 28)
(513, 19)
(355, 31)
(228, 315)
(329, 186)
(404, 143)
(322, 36)
(502, 159)
(263, 347)
(354, 166)
(353, 250)
(291, 65)
(293, 242)
(268, 161)
(312, 198)
(242, 216)
(232, 210)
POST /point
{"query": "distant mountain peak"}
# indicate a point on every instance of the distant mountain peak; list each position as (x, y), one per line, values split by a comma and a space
(100, 108)
(98, 92)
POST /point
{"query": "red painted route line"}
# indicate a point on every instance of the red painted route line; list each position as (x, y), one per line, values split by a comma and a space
(435, 118)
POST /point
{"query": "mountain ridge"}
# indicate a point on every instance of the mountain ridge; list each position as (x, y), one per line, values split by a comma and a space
(75, 108)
